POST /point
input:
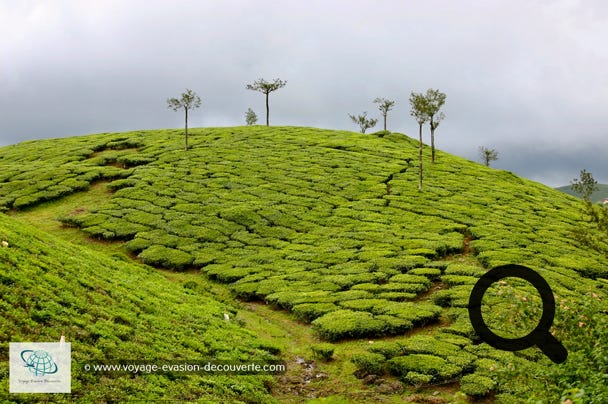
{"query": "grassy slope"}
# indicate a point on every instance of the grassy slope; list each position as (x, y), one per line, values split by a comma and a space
(115, 310)
(597, 196)
(322, 223)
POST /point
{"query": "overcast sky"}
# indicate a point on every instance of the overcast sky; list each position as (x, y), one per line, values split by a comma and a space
(528, 78)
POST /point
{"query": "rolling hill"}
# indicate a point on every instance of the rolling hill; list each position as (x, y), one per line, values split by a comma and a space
(597, 197)
(326, 227)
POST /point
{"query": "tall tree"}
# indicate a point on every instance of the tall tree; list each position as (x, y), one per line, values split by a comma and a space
(189, 100)
(363, 121)
(266, 87)
(487, 155)
(435, 100)
(384, 106)
(419, 110)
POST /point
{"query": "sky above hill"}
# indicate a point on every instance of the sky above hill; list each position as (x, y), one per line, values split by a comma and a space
(525, 77)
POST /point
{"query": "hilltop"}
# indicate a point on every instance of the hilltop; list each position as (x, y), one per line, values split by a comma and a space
(328, 226)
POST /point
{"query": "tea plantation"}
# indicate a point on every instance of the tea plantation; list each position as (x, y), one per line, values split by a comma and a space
(112, 310)
(330, 227)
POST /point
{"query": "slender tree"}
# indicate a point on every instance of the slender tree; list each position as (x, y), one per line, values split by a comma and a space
(584, 185)
(250, 117)
(419, 110)
(266, 87)
(435, 100)
(189, 100)
(384, 106)
(487, 155)
(363, 121)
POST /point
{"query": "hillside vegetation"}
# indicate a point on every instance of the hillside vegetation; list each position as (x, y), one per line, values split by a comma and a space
(113, 310)
(597, 197)
(330, 226)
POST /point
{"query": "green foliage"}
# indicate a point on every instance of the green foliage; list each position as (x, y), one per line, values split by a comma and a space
(487, 155)
(326, 224)
(369, 363)
(324, 351)
(348, 324)
(582, 327)
(363, 121)
(424, 364)
(476, 385)
(116, 310)
(159, 255)
(250, 117)
(584, 185)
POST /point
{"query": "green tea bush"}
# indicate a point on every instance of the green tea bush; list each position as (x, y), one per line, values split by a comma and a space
(396, 296)
(158, 255)
(324, 351)
(476, 385)
(430, 365)
(341, 324)
(417, 313)
(362, 304)
(387, 349)
(413, 288)
(311, 311)
(431, 273)
(417, 379)
(455, 280)
(464, 269)
(369, 363)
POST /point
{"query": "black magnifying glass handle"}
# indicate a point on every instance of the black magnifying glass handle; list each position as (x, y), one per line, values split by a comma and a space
(552, 348)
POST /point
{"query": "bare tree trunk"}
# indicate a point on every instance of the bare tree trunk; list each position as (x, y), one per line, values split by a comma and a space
(385, 122)
(432, 142)
(267, 112)
(420, 158)
(186, 132)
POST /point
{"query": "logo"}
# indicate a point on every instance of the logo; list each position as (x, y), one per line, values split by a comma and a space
(39, 363)
(40, 367)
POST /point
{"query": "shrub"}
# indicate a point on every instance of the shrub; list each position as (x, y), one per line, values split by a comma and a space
(463, 269)
(310, 311)
(361, 304)
(369, 363)
(120, 184)
(348, 324)
(161, 256)
(395, 325)
(476, 385)
(417, 313)
(413, 288)
(396, 296)
(430, 273)
(417, 379)
(387, 349)
(137, 245)
(454, 280)
(424, 364)
(324, 351)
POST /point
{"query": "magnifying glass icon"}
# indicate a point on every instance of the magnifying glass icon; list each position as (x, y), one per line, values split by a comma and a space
(540, 336)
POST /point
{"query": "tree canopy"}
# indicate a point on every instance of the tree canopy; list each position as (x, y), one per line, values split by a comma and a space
(363, 121)
(384, 106)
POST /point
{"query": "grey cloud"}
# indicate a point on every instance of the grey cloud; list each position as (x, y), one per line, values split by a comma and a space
(516, 73)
